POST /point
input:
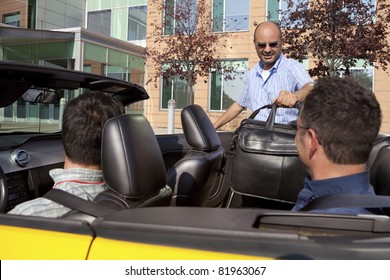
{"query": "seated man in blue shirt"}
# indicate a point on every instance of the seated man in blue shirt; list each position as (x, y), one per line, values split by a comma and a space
(337, 127)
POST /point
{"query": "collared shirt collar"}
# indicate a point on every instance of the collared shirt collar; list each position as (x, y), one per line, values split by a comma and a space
(90, 175)
(347, 184)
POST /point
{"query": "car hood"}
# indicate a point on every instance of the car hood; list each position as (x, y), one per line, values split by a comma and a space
(17, 78)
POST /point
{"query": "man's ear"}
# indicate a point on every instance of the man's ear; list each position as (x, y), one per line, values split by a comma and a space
(313, 142)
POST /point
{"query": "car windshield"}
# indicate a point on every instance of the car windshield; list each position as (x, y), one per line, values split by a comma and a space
(33, 97)
(35, 115)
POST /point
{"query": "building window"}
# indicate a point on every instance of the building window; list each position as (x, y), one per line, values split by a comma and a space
(12, 19)
(278, 7)
(223, 92)
(230, 15)
(175, 88)
(364, 74)
(100, 22)
(369, 7)
(115, 72)
(179, 17)
(137, 23)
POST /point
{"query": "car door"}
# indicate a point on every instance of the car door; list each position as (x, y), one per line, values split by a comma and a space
(26, 238)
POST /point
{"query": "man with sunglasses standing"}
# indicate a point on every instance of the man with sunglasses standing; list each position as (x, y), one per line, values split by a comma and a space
(336, 129)
(274, 79)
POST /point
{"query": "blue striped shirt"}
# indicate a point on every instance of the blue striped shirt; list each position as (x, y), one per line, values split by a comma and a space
(287, 74)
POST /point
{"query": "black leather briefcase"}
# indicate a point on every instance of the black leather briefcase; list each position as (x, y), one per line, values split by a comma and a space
(265, 159)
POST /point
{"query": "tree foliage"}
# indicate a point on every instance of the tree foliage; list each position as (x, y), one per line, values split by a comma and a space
(182, 44)
(337, 33)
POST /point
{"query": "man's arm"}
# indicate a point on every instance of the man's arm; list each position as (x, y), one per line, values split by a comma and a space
(288, 99)
(233, 111)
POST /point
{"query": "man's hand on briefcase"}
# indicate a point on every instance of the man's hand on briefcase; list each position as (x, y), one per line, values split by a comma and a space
(286, 99)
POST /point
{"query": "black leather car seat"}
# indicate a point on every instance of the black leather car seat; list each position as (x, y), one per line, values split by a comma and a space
(381, 141)
(132, 164)
(379, 166)
(193, 176)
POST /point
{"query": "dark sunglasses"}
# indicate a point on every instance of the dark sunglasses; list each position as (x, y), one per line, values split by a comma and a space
(295, 126)
(264, 45)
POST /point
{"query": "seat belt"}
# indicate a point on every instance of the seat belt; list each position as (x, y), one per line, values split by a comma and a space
(348, 201)
(77, 203)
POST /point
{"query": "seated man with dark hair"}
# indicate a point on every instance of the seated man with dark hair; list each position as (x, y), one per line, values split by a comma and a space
(82, 125)
(337, 127)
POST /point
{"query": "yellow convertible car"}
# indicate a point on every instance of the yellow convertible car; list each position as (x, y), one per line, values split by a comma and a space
(170, 196)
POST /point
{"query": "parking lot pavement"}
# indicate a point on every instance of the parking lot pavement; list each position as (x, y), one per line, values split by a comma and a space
(7, 126)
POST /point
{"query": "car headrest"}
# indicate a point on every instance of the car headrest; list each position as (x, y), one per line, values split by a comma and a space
(132, 162)
(198, 129)
(379, 172)
(381, 141)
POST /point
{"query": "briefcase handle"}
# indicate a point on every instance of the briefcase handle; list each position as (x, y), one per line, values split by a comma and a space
(271, 117)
